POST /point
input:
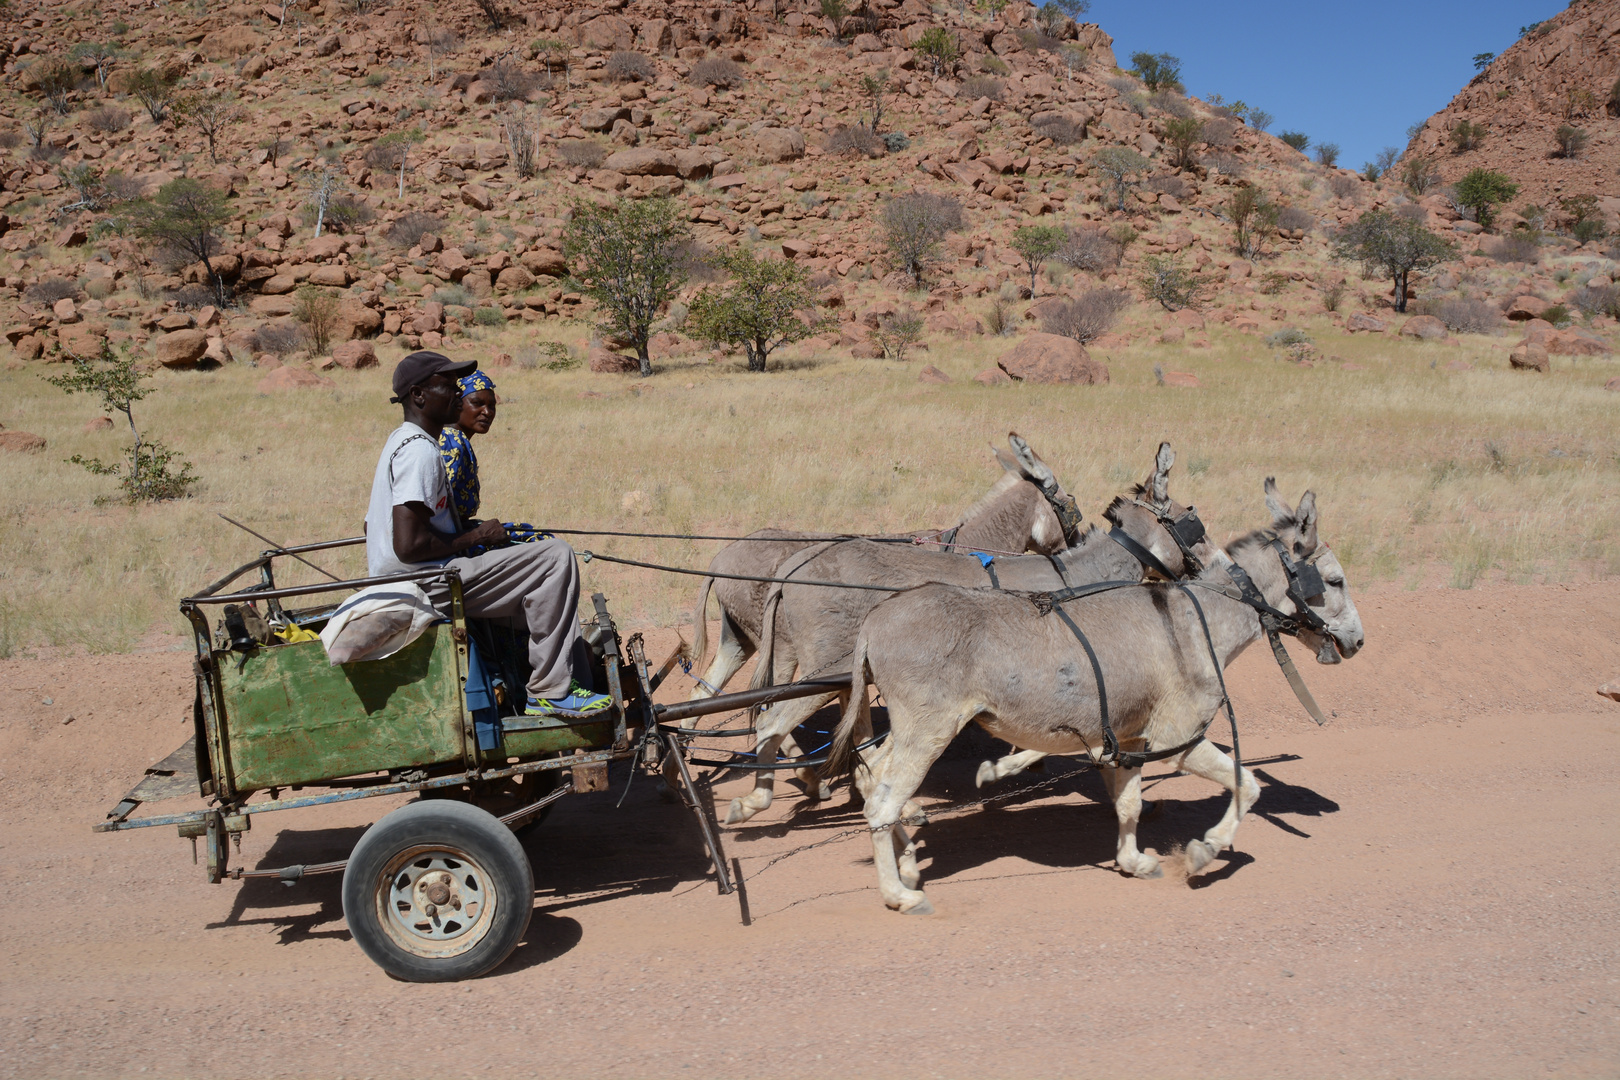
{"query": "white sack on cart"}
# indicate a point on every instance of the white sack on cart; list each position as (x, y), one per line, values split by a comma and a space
(376, 623)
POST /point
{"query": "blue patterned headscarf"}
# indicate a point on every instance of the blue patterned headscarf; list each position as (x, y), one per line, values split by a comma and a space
(475, 382)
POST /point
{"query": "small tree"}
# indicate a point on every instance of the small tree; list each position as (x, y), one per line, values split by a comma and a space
(440, 41)
(1183, 133)
(151, 472)
(938, 48)
(1259, 119)
(523, 138)
(1086, 318)
(1074, 8)
(100, 53)
(1483, 60)
(392, 153)
(758, 309)
(1571, 140)
(1297, 139)
(1386, 159)
(557, 55)
(1174, 286)
(154, 90)
(1119, 163)
(1327, 154)
(1037, 243)
(1468, 136)
(1051, 19)
(317, 310)
(1419, 174)
(1394, 246)
(628, 256)
(322, 187)
(210, 112)
(56, 81)
(187, 215)
(492, 11)
(873, 87)
(896, 334)
(1253, 219)
(1482, 190)
(1158, 71)
(913, 226)
(835, 12)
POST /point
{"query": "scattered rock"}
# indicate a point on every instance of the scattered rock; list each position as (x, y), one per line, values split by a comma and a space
(1610, 690)
(1425, 327)
(355, 320)
(1360, 322)
(83, 340)
(477, 197)
(181, 349)
(1173, 335)
(1526, 307)
(98, 423)
(21, 442)
(1049, 358)
(608, 362)
(291, 378)
(932, 374)
(1186, 380)
(993, 377)
(780, 144)
(645, 161)
(1528, 356)
(354, 355)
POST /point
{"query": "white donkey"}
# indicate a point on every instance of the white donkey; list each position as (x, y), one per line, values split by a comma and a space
(944, 657)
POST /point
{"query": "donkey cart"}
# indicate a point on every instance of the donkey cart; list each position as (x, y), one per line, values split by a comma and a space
(439, 889)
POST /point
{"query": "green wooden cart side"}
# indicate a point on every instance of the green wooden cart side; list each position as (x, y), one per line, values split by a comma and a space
(291, 717)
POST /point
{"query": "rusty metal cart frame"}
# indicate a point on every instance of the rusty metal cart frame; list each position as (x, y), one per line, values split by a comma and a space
(439, 862)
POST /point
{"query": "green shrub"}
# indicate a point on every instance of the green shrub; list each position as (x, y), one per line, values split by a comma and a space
(1297, 139)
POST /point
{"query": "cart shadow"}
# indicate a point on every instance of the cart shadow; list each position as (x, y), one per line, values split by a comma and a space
(267, 902)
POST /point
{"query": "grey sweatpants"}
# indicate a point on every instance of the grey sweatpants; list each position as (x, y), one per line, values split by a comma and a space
(536, 584)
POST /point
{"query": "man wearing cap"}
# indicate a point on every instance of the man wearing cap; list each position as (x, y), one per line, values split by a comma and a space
(412, 524)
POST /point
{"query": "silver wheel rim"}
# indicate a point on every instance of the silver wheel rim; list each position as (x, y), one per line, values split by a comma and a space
(435, 901)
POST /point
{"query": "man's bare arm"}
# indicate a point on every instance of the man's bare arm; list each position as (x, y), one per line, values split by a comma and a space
(416, 540)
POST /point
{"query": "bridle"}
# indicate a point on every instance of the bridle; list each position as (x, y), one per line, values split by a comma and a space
(1304, 582)
(1186, 530)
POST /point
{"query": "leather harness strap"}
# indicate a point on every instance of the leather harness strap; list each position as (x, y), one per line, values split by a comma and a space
(1140, 553)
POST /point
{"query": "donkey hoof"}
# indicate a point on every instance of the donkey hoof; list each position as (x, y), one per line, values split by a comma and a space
(1198, 855)
(1149, 872)
(921, 907)
(740, 812)
(986, 774)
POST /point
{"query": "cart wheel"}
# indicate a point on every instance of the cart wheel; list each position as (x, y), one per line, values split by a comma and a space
(438, 891)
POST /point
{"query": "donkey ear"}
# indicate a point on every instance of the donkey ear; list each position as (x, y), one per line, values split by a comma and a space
(1005, 460)
(1029, 463)
(1279, 509)
(1159, 486)
(1305, 517)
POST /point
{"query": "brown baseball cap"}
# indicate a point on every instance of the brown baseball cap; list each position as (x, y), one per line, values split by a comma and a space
(419, 367)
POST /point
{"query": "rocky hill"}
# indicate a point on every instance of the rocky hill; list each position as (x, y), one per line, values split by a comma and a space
(1564, 72)
(749, 115)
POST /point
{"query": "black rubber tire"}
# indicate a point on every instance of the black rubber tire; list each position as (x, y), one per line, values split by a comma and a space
(384, 858)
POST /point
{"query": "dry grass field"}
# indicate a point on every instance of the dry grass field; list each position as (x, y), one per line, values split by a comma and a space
(1427, 475)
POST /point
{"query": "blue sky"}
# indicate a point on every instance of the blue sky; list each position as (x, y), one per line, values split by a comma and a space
(1357, 74)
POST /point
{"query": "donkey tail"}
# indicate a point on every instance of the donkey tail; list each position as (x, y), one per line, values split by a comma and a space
(841, 758)
(765, 661)
(700, 619)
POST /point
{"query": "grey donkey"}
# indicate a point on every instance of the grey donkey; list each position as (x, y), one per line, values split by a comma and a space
(945, 656)
(1016, 514)
(811, 629)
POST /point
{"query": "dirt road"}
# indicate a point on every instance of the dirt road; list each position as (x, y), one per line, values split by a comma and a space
(1426, 888)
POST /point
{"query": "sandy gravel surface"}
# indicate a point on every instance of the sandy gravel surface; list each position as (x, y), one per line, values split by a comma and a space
(1424, 889)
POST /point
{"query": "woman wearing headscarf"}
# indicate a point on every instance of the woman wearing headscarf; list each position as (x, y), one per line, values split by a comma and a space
(461, 464)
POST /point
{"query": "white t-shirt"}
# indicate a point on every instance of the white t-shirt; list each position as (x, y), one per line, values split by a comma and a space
(410, 470)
